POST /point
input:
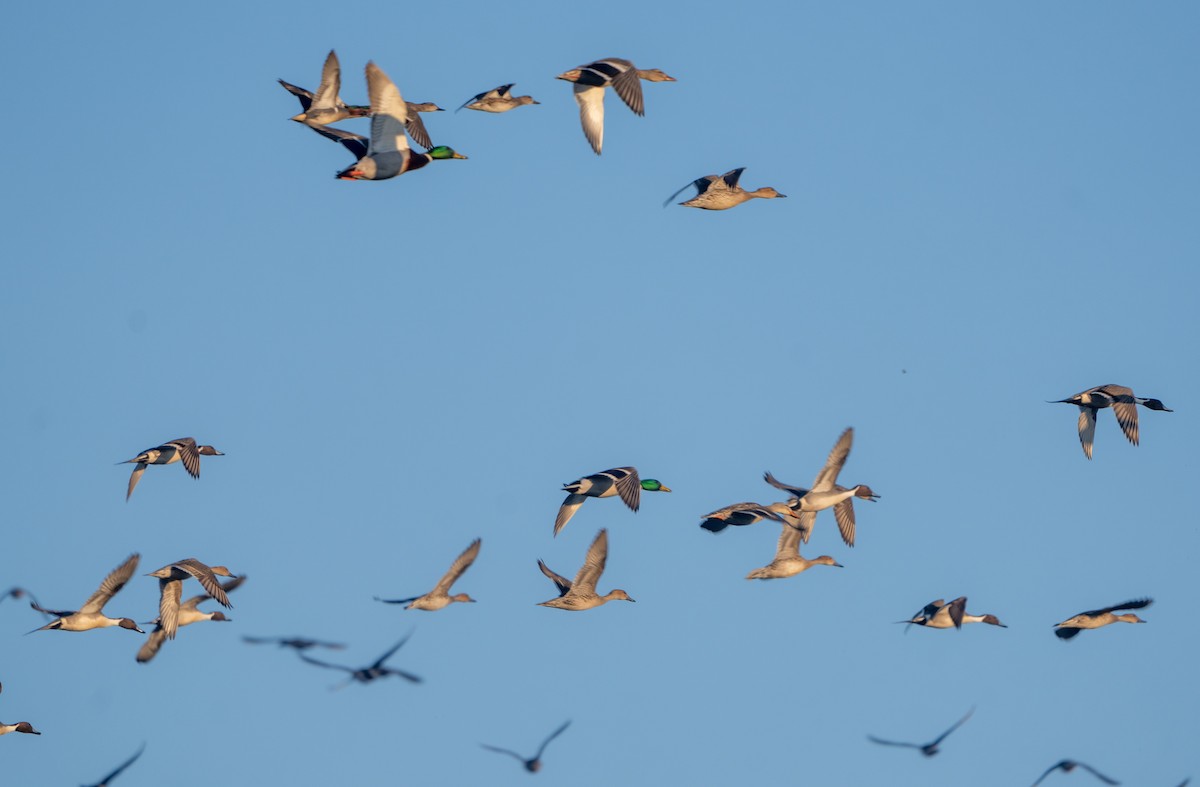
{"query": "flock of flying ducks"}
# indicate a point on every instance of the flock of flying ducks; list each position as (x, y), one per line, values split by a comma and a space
(796, 517)
(387, 153)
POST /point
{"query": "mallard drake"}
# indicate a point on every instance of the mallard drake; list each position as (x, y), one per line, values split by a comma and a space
(91, 614)
(326, 105)
(534, 764)
(1095, 618)
(497, 100)
(440, 595)
(1123, 403)
(386, 154)
(621, 481)
(1066, 766)
(170, 587)
(107, 780)
(940, 615)
(581, 594)
(184, 449)
(742, 514)
(370, 672)
(928, 749)
(590, 81)
(188, 614)
(826, 493)
(721, 192)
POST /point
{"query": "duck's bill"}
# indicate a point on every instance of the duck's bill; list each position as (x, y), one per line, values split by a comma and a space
(458, 155)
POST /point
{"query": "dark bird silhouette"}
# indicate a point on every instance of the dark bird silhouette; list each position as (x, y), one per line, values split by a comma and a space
(108, 779)
(1066, 766)
(299, 643)
(370, 672)
(928, 749)
(534, 764)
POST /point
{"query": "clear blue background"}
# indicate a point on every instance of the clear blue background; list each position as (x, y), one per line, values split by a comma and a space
(989, 207)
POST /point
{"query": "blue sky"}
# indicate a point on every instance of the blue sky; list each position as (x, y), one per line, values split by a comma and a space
(988, 208)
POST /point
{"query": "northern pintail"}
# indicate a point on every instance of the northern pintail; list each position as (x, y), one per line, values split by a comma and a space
(170, 587)
(327, 107)
(590, 81)
(721, 192)
(1123, 403)
(91, 614)
(440, 595)
(581, 594)
(107, 780)
(498, 99)
(1095, 618)
(184, 449)
(17, 726)
(297, 643)
(940, 615)
(826, 493)
(1066, 766)
(188, 614)
(534, 764)
(370, 672)
(928, 749)
(742, 514)
(621, 481)
(386, 154)
(788, 561)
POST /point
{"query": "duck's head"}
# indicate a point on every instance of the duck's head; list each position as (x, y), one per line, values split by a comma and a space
(654, 485)
(570, 76)
(766, 192)
(208, 450)
(864, 492)
(1129, 617)
(523, 100)
(462, 597)
(654, 75)
(428, 106)
(1155, 404)
(126, 623)
(444, 152)
(221, 571)
(618, 595)
(826, 560)
(995, 621)
(220, 617)
(26, 727)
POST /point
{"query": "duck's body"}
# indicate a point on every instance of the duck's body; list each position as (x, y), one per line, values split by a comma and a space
(721, 192)
(170, 586)
(498, 99)
(742, 514)
(622, 481)
(826, 493)
(1066, 766)
(182, 450)
(589, 84)
(788, 561)
(440, 596)
(1124, 406)
(533, 764)
(371, 672)
(187, 614)
(928, 749)
(16, 726)
(1096, 618)
(91, 614)
(940, 615)
(387, 154)
(581, 594)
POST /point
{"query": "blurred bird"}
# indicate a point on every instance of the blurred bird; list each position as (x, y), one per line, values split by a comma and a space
(590, 81)
(621, 481)
(298, 643)
(1095, 618)
(91, 614)
(184, 449)
(581, 594)
(742, 514)
(497, 100)
(187, 615)
(440, 595)
(170, 587)
(1066, 766)
(1123, 403)
(788, 561)
(534, 764)
(370, 672)
(107, 780)
(721, 192)
(928, 749)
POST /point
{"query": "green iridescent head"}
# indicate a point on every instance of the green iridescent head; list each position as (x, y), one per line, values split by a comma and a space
(654, 485)
(442, 151)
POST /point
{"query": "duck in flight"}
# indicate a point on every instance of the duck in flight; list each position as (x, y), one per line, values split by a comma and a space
(440, 596)
(91, 614)
(1066, 766)
(940, 615)
(1095, 618)
(928, 749)
(622, 481)
(590, 82)
(16, 726)
(722, 192)
(107, 780)
(370, 672)
(182, 450)
(1124, 406)
(533, 764)
(581, 594)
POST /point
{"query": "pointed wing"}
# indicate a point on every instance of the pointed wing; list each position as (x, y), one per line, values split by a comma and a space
(833, 464)
(806, 521)
(134, 477)
(356, 144)
(591, 114)
(389, 113)
(111, 584)
(1096, 773)
(795, 491)
(732, 176)
(228, 587)
(416, 129)
(567, 510)
(844, 513)
(562, 583)
(151, 646)
(552, 736)
(956, 609)
(1066, 633)
(188, 454)
(1136, 604)
(629, 87)
(397, 600)
(408, 676)
(882, 742)
(388, 655)
(629, 486)
(460, 564)
(953, 727)
(1124, 406)
(58, 613)
(593, 564)
(305, 96)
(509, 752)
(104, 782)
(311, 660)
(169, 591)
(503, 90)
(326, 96)
(206, 578)
(1087, 429)
(701, 185)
